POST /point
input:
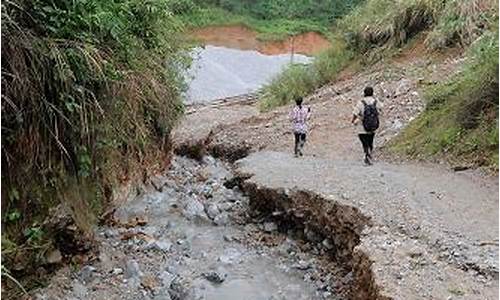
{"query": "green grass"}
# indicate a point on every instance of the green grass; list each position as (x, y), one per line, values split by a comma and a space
(90, 92)
(301, 80)
(380, 23)
(267, 30)
(297, 80)
(386, 23)
(271, 19)
(461, 22)
(461, 117)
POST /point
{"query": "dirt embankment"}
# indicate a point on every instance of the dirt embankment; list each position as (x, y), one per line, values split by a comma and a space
(240, 37)
(340, 224)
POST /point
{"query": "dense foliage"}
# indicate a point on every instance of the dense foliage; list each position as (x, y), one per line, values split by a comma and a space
(272, 19)
(90, 92)
(386, 23)
(326, 11)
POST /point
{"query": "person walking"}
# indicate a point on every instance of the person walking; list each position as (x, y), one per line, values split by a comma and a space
(299, 117)
(366, 116)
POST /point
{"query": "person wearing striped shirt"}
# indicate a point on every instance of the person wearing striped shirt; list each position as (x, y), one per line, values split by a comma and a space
(299, 117)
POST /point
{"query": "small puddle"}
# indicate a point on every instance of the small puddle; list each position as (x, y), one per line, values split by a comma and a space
(243, 38)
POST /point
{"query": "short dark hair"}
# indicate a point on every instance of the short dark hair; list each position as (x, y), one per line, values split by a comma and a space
(368, 91)
(298, 101)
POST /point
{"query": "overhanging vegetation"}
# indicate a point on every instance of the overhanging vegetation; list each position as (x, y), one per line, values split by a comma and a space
(90, 92)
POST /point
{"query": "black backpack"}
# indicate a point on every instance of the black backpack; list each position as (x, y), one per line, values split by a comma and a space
(370, 116)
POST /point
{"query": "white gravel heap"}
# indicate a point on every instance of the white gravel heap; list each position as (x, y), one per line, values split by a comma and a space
(219, 72)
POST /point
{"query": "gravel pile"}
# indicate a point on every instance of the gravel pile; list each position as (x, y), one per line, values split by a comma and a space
(219, 72)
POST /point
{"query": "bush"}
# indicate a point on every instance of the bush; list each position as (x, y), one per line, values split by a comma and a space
(461, 117)
(302, 80)
(461, 22)
(295, 81)
(181, 6)
(393, 22)
(325, 11)
(90, 92)
(387, 22)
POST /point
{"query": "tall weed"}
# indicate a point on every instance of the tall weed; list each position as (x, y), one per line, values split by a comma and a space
(299, 81)
(461, 117)
(90, 92)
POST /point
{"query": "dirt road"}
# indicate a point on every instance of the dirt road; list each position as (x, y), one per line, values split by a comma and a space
(432, 234)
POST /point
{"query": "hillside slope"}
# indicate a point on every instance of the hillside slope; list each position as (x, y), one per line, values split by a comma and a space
(460, 122)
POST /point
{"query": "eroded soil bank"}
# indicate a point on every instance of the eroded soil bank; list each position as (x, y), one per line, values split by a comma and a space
(243, 38)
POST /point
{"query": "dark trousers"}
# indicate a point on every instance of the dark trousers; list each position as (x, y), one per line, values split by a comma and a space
(300, 139)
(367, 141)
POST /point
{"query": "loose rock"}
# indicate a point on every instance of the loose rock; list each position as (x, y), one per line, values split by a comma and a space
(222, 219)
(230, 256)
(162, 296)
(117, 271)
(160, 245)
(54, 257)
(166, 278)
(194, 209)
(328, 244)
(270, 227)
(178, 290)
(225, 206)
(216, 276)
(79, 290)
(212, 211)
(132, 269)
(86, 273)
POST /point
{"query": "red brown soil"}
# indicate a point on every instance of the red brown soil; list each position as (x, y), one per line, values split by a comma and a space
(240, 37)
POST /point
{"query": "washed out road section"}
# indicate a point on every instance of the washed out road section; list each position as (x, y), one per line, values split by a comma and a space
(427, 240)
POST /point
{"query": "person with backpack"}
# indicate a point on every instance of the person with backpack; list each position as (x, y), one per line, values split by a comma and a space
(367, 110)
(299, 117)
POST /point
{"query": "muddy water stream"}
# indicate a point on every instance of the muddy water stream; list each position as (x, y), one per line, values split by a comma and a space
(191, 235)
(202, 219)
(188, 234)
